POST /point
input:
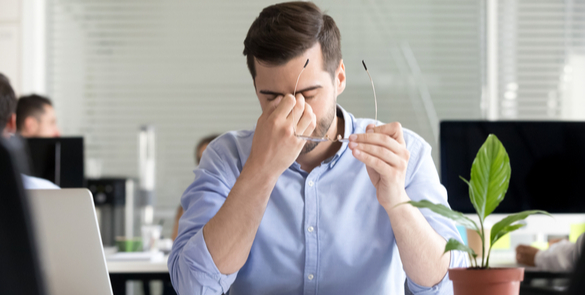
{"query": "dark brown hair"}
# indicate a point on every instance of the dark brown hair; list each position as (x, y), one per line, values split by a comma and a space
(7, 101)
(203, 141)
(284, 31)
(30, 106)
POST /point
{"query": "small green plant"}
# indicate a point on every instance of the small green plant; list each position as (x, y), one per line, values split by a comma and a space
(490, 176)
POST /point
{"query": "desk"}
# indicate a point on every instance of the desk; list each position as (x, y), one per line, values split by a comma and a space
(122, 271)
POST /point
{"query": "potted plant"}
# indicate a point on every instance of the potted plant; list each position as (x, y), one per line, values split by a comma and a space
(490, 176)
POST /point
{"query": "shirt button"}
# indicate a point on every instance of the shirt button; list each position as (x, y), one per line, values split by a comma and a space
(310, 229)
(311, 277)
(311, 183)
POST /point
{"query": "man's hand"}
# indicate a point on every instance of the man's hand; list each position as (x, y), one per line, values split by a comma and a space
(275, 147)
(384, 152)
(526, 254)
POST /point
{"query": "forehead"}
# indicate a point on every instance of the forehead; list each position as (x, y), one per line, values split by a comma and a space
(281, 75)
(47, 111)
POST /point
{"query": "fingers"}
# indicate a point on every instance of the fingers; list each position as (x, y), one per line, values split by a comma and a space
(526, 254)
(308, 121)
(380, 140)
(298, 109)
(393, 130)
(382, 148)
(386, 155)
(372, 161)
(285, 106)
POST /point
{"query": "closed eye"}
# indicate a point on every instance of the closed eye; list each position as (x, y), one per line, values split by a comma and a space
(310, 94)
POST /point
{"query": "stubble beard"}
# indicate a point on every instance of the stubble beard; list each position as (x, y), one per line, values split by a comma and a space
(322, 127)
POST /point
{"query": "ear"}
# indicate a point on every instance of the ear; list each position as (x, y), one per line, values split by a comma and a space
(340, 78)
(10, 125)
(31, 124)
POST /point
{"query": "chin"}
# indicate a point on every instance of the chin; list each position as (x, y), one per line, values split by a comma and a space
(309, 146)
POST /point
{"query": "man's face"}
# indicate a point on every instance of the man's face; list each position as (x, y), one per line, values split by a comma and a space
(315, 84)
(45, 125)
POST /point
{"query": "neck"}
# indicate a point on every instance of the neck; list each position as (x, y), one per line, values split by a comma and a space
(323, 150)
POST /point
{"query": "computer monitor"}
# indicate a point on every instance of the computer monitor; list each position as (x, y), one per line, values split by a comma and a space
(547, 161)
(59, 160)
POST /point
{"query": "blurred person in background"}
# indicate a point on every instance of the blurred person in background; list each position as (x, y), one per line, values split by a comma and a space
(35, 117)
(7, 107)
(561, 256)
(201, 146)
(8, 125)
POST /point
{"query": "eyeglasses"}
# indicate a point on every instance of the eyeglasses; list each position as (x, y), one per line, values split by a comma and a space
(326, 137)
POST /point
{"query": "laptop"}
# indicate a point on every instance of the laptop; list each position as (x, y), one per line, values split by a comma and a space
(69, 242)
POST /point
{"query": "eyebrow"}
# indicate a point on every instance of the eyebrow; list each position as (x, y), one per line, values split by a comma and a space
(298, 91)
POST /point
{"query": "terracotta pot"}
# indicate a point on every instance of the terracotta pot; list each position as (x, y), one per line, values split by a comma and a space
(492, 281)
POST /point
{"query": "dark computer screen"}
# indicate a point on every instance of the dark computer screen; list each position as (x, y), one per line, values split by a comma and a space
(59, 160)
(547, 161)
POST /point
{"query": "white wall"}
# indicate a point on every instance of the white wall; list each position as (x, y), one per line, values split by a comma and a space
(10, 41)
(22, 44)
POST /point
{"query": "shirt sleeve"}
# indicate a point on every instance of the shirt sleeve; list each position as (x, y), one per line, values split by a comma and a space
(560, 257)
(422, 183)
(30, 182)
(191, 266)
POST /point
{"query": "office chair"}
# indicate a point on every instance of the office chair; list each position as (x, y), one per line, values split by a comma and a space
(577, 285)
(19, 263)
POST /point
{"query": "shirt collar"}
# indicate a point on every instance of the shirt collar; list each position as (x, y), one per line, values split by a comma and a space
(348, 130)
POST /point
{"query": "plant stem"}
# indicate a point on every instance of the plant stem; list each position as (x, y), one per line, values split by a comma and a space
(487, 263)
(481, 234)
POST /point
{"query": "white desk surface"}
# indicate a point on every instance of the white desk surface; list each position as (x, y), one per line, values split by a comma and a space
(159, 266)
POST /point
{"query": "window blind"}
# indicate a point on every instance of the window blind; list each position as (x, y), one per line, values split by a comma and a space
(115, 65)
(541, 59)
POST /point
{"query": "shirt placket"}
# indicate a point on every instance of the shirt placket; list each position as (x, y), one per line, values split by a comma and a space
(311, 233)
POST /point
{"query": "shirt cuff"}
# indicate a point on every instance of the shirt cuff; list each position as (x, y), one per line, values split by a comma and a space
(198, 257)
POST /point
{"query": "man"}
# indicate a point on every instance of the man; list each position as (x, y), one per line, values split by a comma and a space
(8, 127)
(272, 213)
(7, 107)
(35, 117)
(562, 256)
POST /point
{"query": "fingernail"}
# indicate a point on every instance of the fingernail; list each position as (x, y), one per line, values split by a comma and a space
(353, 137)
(353, 145)
(357, 152)
(370, 131)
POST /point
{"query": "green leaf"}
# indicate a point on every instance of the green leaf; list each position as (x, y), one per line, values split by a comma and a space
(505, 226)
(446, 212)
(490, 176)
(453, 244)
(477, 209)
(504, 231)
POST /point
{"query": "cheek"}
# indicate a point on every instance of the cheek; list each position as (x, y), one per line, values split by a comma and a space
(321, 106)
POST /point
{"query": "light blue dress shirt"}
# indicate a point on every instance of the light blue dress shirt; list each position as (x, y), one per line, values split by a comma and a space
(30, 182)
(323, 232)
